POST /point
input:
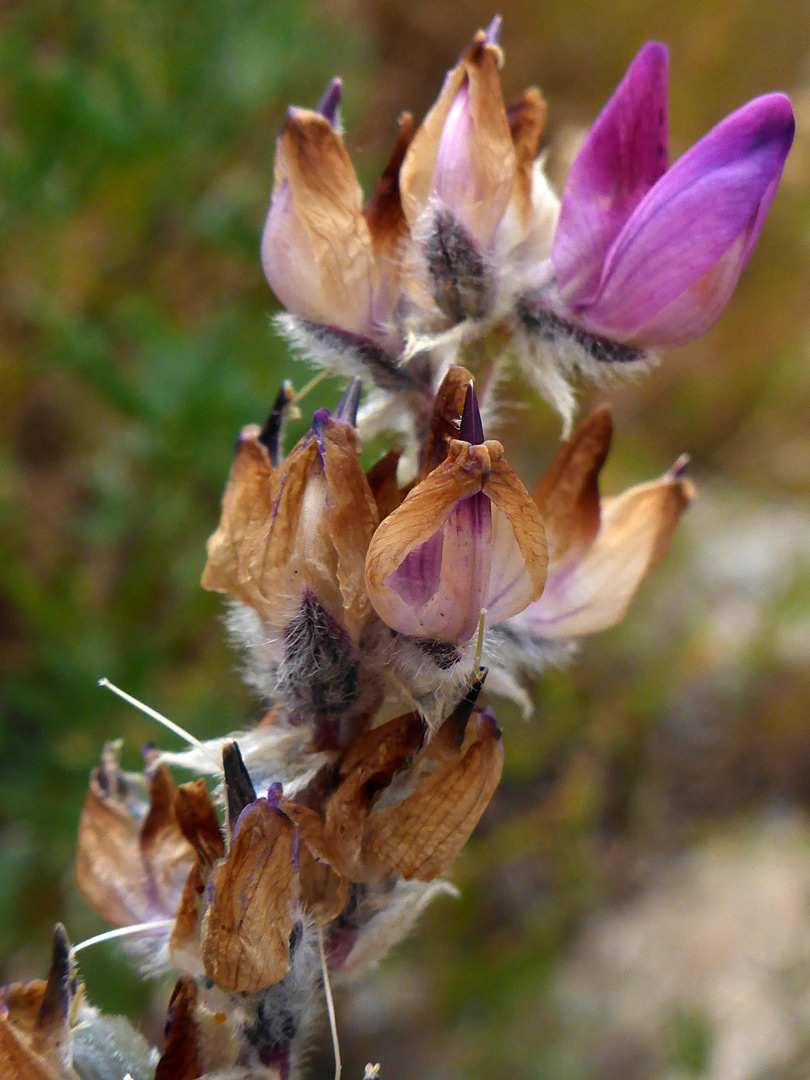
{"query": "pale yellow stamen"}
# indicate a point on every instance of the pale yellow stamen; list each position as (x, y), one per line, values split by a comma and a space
(479, 645)
(330, 1005)
(161, 719)
(313, 382)
(123, 931)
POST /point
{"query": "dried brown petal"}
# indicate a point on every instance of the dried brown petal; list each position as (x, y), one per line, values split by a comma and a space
(373, 761)
(568, 493)
(420, 837)
(527, 120)
(166, 853)
(383, 211)
(519, 560)
(591, 591)
(181, 1060)
(184, 941)
(18, 1062)
(425, 509)
(351, 518)
(254, 896)
(109, 869)
(382, 480)
(246, 509)
(494, 154)
(323, 890)
(444, 423)
(21, 1003)
(197, 820)
(316, 248)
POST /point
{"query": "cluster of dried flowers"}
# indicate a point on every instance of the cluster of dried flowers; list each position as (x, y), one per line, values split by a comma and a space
(372, 604)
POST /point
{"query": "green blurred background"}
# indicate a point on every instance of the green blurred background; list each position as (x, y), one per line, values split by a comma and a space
(637, 901)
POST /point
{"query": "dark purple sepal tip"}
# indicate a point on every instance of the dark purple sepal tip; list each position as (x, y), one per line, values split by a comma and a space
(329, 105)
(493, 31)
(489, 714)
(346, 408)
(471, 429)
(274, 793)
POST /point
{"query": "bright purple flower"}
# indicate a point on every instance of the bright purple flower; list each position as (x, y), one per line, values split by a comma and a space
(647, 255)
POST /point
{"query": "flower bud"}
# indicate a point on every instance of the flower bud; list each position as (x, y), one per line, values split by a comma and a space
(462, 155)
(316, 249)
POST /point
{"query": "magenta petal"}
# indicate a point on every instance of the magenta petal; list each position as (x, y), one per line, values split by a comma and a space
(695, 230)
(623, 155)
(417, 577)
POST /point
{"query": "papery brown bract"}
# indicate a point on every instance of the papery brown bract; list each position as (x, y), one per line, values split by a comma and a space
(600, 550)
(421, 836)
(316, 247)
(181, 1060)
(253, 903)
(132, 859)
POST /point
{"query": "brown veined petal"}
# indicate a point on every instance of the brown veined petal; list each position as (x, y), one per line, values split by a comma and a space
(246, 508)
(253, 905)
(376, 757)
(422, 835)
(323, 890)
(587, 594)
(197, 820)
(351, 519)
(448, 406)
(182, 1059)
(316, 246)
(184, 940)
(519, 556)
(109, 870)
(568, 493)
(166, 853)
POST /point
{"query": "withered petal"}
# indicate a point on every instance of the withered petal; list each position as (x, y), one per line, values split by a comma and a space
(444, 422)
(352, 517)
(425, 509)
(382, 480)
(167, 855)
(18, 1062)
(109, 869)
(253, 905)
(519, 555)
(567, 495)
(184, 940)
(316, 248)
(592, 592)
(246, 507)
(182, 1059)
(420, 837)
(198, 821)
(374, 760)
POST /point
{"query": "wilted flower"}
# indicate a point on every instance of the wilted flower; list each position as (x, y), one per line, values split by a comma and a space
(467, 539)
(645, 255)
(600, 550)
